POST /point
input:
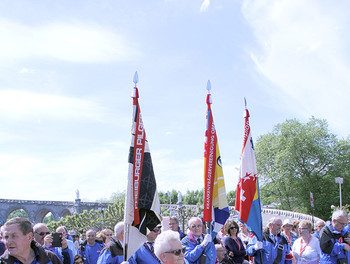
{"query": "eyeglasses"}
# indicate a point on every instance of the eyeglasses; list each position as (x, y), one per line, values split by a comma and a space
(109, 234)
(177, 252)
(43, 233)
(233, 227)
(343, 224)
(303, 228)
(196, 226)
(156, 230)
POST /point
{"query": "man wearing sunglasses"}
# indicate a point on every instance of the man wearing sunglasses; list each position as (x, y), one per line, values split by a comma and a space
(168, 248)
(334, 239)
(44, 238)
(145, 254)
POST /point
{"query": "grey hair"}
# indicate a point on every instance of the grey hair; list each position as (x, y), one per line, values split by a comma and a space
(162, 242)
(338, 214)
(23, 224)
(273, 219)
(320, 222)
(39, 225)
(194, 218)
(174, 218)
(118, 228)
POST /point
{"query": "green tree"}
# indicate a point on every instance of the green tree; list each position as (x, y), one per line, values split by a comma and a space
(231, 198)
(18, 213)
(296, 159)
(164, 197)
(113, 214)
(194, 197)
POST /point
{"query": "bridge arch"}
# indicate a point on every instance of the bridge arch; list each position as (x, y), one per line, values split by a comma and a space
(65, 212)
(41, 213)
(13, 209)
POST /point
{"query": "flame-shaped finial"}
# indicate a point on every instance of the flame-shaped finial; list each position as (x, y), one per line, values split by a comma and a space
(208, 86)
(136, 78)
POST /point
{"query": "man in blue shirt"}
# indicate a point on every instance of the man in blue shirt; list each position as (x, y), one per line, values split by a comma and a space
(90, 249)
(44, 238)
(319, 225)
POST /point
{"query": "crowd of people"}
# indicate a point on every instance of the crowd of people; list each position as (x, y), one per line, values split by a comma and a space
(284, 242)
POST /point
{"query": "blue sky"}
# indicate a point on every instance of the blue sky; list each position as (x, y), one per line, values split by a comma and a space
(66, 71)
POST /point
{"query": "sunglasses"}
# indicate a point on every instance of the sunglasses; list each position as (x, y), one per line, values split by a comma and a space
(177, 252)
(43, 233)
(156, 230)
(232, 227)
(196, 226)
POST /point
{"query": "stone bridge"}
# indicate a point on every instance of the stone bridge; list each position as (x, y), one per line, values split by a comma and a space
(37, 210)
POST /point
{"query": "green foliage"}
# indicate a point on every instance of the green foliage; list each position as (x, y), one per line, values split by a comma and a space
(164, 198)
(296, 159)
(18, 213)
(231, 198)
(92, 219)
(194, 197)
(48, 218)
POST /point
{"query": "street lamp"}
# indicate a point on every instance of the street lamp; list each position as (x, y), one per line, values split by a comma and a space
(340, 181)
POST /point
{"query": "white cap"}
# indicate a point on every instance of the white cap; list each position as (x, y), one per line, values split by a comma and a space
(287, 222)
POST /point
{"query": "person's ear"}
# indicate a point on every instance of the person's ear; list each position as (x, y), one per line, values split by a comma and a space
(162, 257)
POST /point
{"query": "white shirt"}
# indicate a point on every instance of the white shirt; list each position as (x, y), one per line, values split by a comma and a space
(310, 253)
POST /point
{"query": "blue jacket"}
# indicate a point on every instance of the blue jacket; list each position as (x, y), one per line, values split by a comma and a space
(194, 251)
(112, 253)
(331, 243)
(2, 247)
(144, 256)
(270, 249)
(90, 254)
(65, 255)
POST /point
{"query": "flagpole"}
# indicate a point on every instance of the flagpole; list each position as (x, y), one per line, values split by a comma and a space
(260, 253)
(312, 209)
(207, 223)
(127, 225)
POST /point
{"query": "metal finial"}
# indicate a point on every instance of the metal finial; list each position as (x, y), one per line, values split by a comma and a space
(136, 78)
(208, 86)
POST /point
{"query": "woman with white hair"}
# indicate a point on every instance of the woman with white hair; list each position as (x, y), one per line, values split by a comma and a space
(168, 248)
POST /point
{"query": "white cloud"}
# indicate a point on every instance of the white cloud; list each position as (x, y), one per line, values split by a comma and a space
(20, 104)
(303, 52)
(75, 42)
(205, 5)
(26, 70)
